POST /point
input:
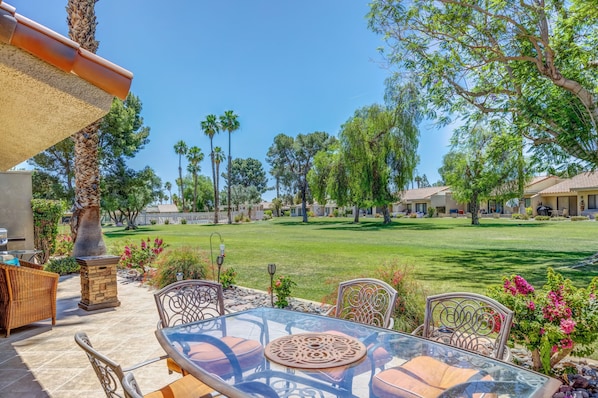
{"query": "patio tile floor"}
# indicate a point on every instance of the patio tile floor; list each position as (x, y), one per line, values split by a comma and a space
(44, 361)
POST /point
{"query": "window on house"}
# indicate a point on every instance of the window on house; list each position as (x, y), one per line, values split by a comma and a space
(528, 202)
(591, 201)
(421, 207)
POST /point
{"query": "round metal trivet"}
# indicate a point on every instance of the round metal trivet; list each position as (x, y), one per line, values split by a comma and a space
(315, 350)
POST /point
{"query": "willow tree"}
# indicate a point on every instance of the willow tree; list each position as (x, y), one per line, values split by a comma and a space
(85, 222)
(380, 148)
(535, 59)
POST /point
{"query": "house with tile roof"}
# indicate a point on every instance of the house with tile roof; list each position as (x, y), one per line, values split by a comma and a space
(574, 196)
(420, 199)
(530, 196)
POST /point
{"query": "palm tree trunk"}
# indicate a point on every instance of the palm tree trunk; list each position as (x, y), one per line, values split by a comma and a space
(85, 223)
(214, 181)
(228, 212)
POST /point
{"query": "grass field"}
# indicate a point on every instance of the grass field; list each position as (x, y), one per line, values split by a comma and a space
(447, 254)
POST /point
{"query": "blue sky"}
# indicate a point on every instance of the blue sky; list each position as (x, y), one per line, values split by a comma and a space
(283, 66)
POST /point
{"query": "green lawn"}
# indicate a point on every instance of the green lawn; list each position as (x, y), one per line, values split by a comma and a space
(447, 254)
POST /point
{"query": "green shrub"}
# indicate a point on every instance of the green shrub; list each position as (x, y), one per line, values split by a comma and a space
(580, 218)
(193, 263)
(64, 245)
(559, 218)
(268, 213)
(63, 265)
(286, 213)
(413, 215)
(431, 211)
(311, 214)
(228, 277)
(517, 216)
(239, 217)
(46, 216)
(282, 287)
(399, 215)
(183, 221)
(266, 217)
(542, 218)
(335, 212)
(411, 302)
(529, 211)
(153, 222)
(167, 221)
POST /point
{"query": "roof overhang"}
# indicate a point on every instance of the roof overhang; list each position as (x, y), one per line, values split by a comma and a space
(51, 88)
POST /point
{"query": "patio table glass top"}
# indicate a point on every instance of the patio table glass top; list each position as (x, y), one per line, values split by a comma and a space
(386, 348)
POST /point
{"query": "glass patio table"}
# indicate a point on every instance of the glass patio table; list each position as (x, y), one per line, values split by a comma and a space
(313, 355)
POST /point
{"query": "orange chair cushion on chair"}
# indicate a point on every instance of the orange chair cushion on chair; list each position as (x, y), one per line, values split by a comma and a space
(421, 377)
(380, 355)
(250, 353)
(187, 386)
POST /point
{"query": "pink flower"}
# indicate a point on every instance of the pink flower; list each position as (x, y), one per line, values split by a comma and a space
(278, 283)
(566, 343)
(567, 326)
(143, 245)
(522, 286)
(554, 349)
(531, 306)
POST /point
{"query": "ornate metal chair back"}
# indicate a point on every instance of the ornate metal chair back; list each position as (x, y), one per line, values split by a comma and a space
(470, 321)
(189, 301)
(366, 300)
(109, 372)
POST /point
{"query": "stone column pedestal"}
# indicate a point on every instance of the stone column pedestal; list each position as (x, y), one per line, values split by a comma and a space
(98, 282)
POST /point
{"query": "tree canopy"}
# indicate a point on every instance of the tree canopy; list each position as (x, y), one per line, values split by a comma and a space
(531, 62)
(248, 172)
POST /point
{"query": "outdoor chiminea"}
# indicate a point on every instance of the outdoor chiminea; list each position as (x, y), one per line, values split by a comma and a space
(98, 282)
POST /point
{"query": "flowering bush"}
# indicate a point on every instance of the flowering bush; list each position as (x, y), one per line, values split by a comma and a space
(282, 288)
(411, 301)
(553, 322)
(64, 245)
(139, 257)
(228, 277)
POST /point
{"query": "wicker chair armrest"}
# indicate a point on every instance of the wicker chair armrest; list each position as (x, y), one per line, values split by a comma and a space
(28, 282)
(28, 264)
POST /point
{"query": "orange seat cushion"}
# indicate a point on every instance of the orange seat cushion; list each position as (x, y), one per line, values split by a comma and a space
(187, 386)
(249, 353)
(422, 377)
(336, 375)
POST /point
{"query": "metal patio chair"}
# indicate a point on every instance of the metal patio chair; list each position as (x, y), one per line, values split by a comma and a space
(188, 301)
(111, 373)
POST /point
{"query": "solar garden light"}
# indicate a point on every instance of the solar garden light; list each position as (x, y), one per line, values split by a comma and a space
(272, 271)
(220, 258)
(179, 276)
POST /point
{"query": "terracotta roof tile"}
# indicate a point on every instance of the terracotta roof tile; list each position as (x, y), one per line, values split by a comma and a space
(421, 193)
(588, 180)
(62, 52)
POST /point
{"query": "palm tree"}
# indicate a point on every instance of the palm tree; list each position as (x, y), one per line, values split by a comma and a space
(194, 156)
(229, 123)
(85, 222)
(210, 128)
(180, 148)
(168, 187)
(218, 158)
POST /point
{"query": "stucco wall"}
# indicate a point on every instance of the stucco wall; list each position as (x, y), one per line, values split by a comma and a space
(15, 208)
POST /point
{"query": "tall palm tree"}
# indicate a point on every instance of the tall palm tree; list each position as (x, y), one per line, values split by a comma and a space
(210, 128)
(168, 187)
(229, 123)
(180, 148)
(218, 158)
(194, 156)
(86, 228)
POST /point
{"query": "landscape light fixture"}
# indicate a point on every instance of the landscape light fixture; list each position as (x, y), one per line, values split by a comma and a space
(220, 258)
(272, 271)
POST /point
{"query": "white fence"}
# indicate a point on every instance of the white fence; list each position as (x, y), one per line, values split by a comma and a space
(193, 218)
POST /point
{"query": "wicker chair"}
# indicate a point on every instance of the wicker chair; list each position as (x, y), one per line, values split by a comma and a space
(193, 300)
(365, 300)
(469, 321)
(27, 295)
(111, 374)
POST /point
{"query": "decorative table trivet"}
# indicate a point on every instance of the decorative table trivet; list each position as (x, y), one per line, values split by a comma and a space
(315, 350)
